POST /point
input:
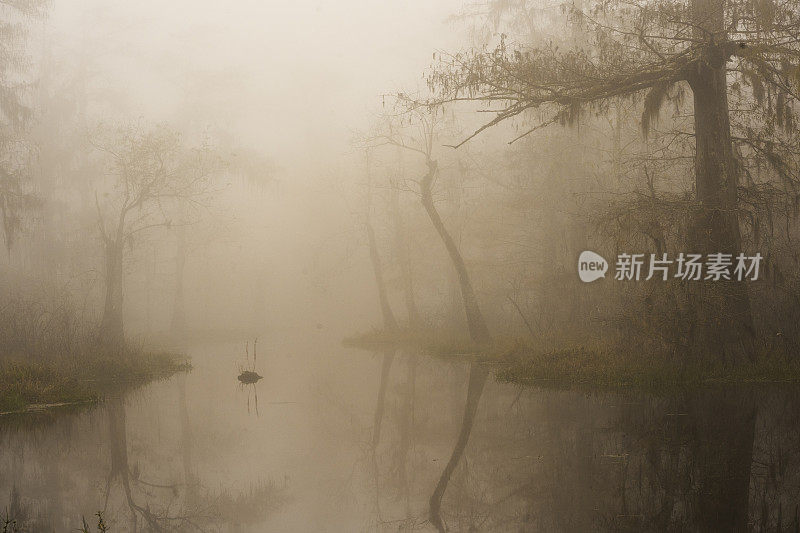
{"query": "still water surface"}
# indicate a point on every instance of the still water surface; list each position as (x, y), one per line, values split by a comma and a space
(337, 439)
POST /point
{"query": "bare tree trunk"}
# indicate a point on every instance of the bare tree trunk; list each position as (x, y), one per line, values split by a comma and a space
(380, 406)
(477, 380)
(404, 260)
(477, 325)
(120, 466)
(111, 327)
(455, 302)
(389, 321)
(189, 478)
(722, 307)
(179, 307)
(407, 422)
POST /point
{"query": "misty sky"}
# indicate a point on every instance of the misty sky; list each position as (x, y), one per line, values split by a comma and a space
(287, 75)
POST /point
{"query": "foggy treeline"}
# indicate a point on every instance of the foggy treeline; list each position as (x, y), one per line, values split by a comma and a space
(470, 192)
(105, 208)
(649, 129)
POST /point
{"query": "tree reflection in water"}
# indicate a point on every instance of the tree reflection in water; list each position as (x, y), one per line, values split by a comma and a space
(616, 463)
(477, 381)
(134, 492)
(494, 458)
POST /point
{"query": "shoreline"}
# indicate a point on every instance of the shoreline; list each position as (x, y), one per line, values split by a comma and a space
(598, 368)
(34, 386)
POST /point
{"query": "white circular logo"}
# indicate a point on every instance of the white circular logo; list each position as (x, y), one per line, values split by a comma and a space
(591, 266)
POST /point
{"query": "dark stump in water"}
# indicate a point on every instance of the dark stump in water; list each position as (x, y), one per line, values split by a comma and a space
(248, 377)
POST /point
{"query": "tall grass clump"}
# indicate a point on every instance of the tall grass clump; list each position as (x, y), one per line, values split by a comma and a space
(51, 352)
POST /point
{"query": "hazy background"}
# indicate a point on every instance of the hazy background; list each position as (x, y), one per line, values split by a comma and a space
(290, 80)
(291, 77)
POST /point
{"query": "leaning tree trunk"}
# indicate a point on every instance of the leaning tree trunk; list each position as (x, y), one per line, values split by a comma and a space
(477, 380)
(380, 405)
(404, 260)
(722, 308)
(389, 321)
(475, 322)
(401, 244)
(479, 334)
(111, 327)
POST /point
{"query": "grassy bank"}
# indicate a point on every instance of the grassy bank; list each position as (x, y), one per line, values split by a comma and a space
(51, 353)
(28, 383)
(618, 368)
(592, 366)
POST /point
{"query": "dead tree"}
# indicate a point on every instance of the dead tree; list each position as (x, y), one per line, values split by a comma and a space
(478, 330)
(147, 171)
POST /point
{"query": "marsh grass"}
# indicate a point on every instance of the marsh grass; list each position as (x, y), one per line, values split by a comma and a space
(9, 524)
(594, 366)
(80, 379)
(101, 524)
(50, 354)
(618, 368)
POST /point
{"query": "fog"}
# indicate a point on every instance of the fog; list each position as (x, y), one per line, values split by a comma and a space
(514, 265)
(289, 81)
